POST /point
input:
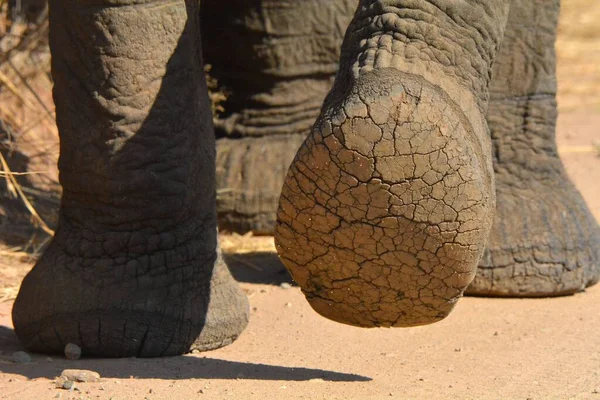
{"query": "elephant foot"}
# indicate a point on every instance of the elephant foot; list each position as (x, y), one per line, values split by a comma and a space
(544, 242)
(158, 304)
(386, 208)
(250, 173)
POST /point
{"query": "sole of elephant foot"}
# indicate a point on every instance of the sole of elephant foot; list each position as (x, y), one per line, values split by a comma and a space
(116, 315)
(250, 173)
(544, 242)
(386, 207)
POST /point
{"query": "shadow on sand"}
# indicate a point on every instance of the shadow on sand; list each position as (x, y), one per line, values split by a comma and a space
(257, 267)
(183, 367)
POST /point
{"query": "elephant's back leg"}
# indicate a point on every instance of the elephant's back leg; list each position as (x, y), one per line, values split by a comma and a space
(276, 61)
(544, 240)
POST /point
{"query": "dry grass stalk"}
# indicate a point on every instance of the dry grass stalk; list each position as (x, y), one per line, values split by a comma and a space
(35, 95)
(8, 293)
(13, 88)
(2, 173)
(31, 145)
(16, 189)
(216, 94)
(14, 265)
(243, 244)
(12, 192)
(577, 149)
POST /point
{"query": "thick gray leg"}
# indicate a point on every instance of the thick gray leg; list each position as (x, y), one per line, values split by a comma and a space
(544, 240)
(134, 269)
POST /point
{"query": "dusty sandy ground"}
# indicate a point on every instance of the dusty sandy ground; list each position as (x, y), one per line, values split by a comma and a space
(487, 349)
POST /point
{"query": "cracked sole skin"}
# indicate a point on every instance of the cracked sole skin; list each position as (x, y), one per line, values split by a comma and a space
(387, 206)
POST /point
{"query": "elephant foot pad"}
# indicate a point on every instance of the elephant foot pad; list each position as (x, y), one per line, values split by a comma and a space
(386, 208)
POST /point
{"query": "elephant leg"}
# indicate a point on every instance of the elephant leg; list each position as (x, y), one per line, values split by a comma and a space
(134, 268)
(544, 240)
(387, 206)
(276, 59)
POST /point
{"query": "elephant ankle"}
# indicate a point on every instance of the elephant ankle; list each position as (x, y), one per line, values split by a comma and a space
(410, 37)
(544, 242)
(137, 250)
(127, 302)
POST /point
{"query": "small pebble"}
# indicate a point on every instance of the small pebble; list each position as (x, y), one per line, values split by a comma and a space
(67, 385)
(285, 285)
(72, 351)
(20, 357)
(80, 375)
(288, 304)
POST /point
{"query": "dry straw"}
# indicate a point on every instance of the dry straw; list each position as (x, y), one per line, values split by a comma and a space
(24, 110)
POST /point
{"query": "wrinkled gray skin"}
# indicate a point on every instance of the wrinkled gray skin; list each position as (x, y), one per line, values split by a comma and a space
(544, 240)
(384, 212)
(276, 61)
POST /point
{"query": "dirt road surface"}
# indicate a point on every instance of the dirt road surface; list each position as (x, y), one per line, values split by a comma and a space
(487, 348)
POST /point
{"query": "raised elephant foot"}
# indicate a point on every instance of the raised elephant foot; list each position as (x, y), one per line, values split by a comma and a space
(386, 208)
(544, 242)
(123, 307)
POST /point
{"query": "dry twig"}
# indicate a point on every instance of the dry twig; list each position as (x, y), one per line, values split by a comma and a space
(15, 189)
